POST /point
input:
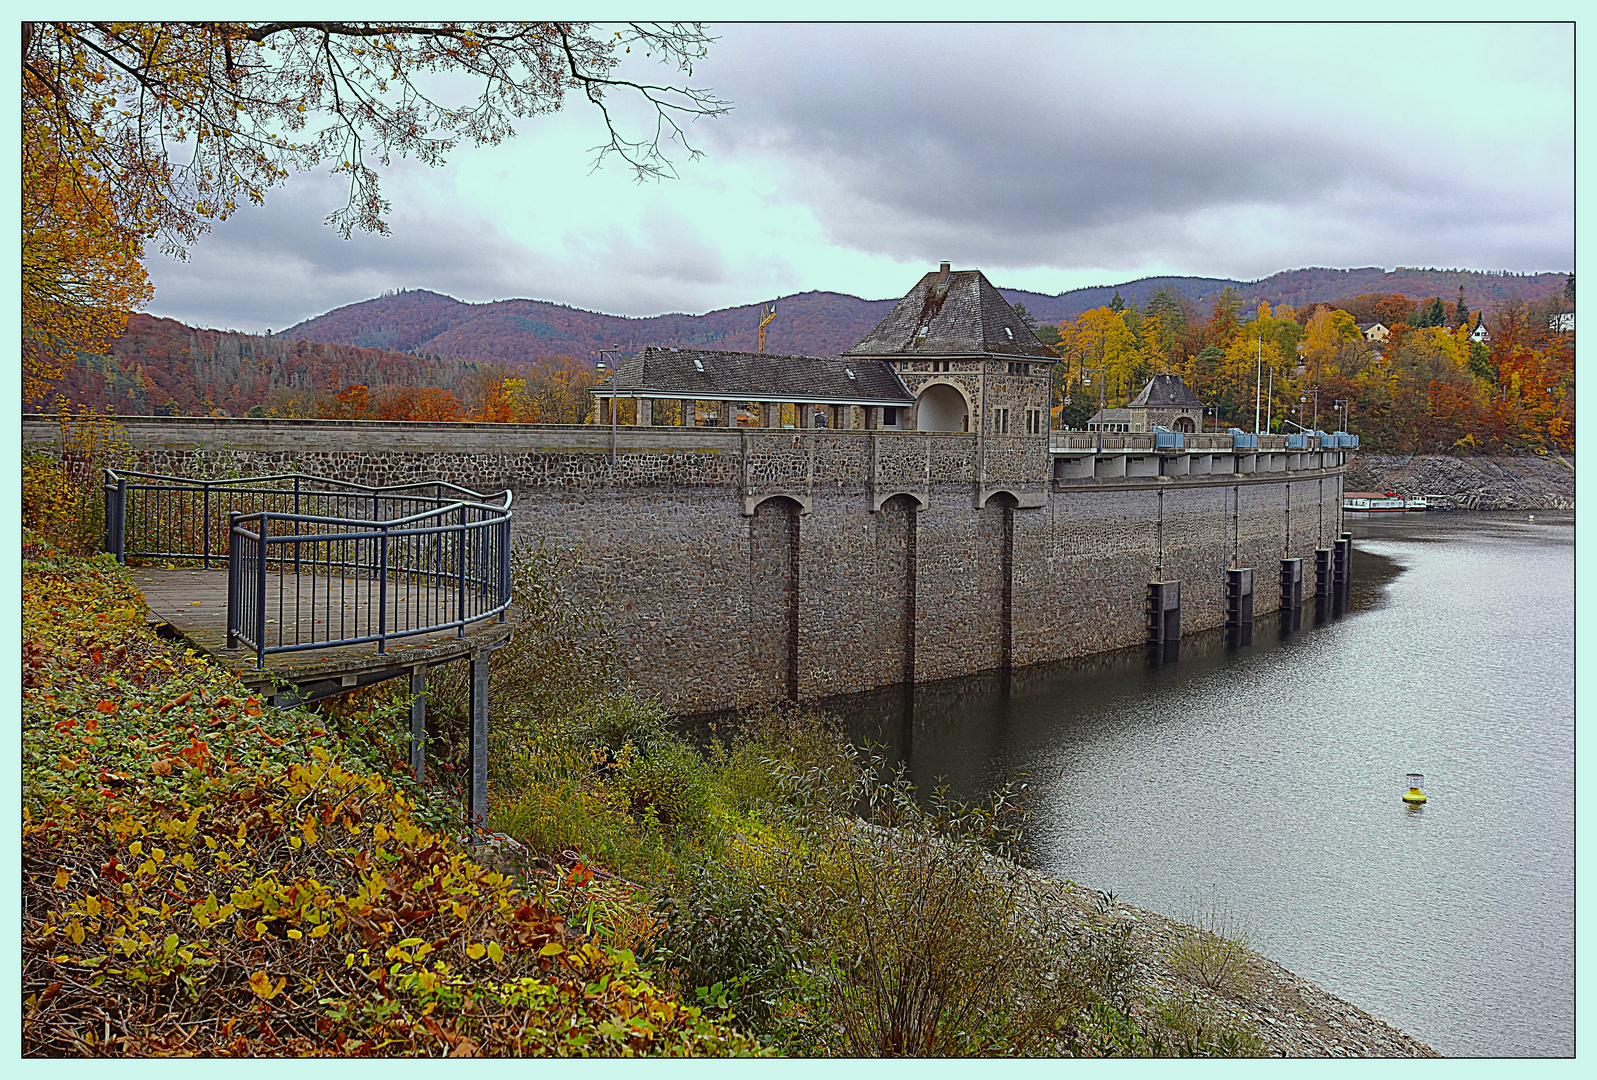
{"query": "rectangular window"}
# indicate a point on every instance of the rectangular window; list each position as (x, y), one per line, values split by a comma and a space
(1033, 421)
(1019, 369)
(889, 416)
(1001, 422)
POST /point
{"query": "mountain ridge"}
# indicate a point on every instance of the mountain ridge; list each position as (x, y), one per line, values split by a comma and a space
(822, 322)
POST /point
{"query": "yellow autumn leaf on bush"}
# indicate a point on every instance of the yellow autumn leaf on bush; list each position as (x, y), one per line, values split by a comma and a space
(261, 983)
(61, 877)
(475, 950)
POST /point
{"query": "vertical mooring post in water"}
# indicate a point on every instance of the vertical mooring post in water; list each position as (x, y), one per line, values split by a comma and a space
(1291, 608)
(1291, 583)
(1163, 609)
(1239, 607)
(1322, 583)
(1342, 567)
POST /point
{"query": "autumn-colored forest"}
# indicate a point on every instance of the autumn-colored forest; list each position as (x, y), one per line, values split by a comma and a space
(1428, 387)
(162, 367)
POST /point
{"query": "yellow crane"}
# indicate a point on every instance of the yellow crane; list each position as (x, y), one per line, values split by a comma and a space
(765, 321)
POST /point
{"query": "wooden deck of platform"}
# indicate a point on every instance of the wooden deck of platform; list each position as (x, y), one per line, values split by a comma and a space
(193, 602)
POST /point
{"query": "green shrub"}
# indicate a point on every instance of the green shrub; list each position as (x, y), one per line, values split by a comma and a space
(572, 813)
(1185, 1026)
(725, 942)
(1103, 957)
(915, 941)
(669, 785)
(1212, 949)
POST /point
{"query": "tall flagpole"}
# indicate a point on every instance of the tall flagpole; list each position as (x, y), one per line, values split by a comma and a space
(1258, 383)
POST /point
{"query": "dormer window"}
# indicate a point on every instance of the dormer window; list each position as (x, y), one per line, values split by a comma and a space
(849, 372)
(698, 364)
(1008, 333)
(923, 331)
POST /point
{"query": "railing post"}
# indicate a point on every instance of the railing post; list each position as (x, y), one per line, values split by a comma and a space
(109, 491)
(460, 581)
(296, 524)
(120, 550)
(234, 566)
(206, 559)
(504, 565)
(260, 596)
(382, 591)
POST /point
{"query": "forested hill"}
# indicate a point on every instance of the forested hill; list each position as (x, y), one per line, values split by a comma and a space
(1297, 287)
(161, 366)
(823, 323)
(421, 340)
(509, 331)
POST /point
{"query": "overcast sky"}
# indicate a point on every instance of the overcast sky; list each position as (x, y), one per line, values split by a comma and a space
(1052, 157)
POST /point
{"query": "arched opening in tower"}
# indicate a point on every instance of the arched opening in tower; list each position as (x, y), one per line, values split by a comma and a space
(941, 408)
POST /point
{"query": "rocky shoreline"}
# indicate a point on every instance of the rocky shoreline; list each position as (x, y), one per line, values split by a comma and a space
(1291, 1015)
(1520, 482)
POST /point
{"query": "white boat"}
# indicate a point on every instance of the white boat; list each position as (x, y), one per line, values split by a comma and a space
(1373, 502)
(1415, 502)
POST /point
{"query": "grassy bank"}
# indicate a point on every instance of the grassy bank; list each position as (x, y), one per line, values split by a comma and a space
(204, 875)
(207, 875)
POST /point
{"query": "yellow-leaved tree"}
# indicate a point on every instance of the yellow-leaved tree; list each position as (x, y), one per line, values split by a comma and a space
(81, 273)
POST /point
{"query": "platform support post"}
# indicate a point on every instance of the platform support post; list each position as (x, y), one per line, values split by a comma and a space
(477, 804)
(418, 722)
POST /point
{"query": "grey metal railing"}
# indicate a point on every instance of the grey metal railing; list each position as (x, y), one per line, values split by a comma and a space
(315, 563)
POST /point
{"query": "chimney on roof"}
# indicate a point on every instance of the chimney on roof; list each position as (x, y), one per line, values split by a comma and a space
(942, 268)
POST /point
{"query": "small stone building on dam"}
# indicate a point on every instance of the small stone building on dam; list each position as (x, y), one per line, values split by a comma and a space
(901, 513)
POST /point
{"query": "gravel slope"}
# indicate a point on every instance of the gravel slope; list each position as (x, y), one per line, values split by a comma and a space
(1524, 482)
(1292, 1016)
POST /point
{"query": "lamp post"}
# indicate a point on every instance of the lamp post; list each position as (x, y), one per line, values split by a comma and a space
(1345, 407)
(1315, 390)
(1098, 371)
(615, 388)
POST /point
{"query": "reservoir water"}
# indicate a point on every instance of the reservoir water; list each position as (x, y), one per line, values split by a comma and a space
(1267, 781)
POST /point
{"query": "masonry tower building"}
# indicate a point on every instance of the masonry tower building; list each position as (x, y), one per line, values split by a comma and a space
(966, 356)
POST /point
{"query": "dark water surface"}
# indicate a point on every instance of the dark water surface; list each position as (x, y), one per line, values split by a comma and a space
(1266, 781)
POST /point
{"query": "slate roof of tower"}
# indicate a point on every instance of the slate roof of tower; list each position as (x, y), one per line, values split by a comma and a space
(1165, 391)
(752, 376)
(964, 316)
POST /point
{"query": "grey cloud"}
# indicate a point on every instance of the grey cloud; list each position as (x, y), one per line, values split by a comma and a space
(274, 266)
(996, 144)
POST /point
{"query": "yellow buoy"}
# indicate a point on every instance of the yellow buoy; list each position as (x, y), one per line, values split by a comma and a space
(1416, 782)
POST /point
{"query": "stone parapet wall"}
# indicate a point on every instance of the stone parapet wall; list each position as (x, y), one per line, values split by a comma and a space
(740, 565)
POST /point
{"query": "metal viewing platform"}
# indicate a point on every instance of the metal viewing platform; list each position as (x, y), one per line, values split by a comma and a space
(310, 587)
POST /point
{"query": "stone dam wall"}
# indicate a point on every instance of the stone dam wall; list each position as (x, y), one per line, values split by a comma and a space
(741, 565)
